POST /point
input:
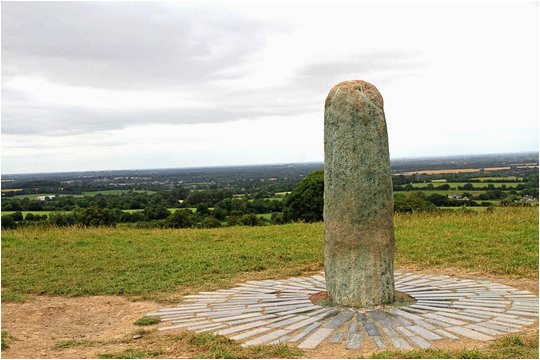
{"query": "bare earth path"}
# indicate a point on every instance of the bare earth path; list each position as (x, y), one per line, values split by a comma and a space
(104, 324)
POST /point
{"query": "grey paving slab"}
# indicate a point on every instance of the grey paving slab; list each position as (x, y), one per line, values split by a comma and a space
(313, 340)
(337, 338)
(458, 316)
(446, 334)
(514, 321)
(267, 337)
(438, 323)
(371, 329)
(289, 321)
(424, 324)
(483, 329)
(250, 319)
(310, 319)
(497, 326)
(250, 333)
(353, 327)
(339, 319)
(423, 332)
(235, 329)
(308, 330)
(300, 310)
(523, 313)
(354, 341)
(471, 334)
(445, 319)
(394, 338)
(378, 341)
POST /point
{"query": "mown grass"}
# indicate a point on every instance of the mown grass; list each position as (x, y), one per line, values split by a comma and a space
(78, 261)
(508, 347)
(504, 242)
(152, 262)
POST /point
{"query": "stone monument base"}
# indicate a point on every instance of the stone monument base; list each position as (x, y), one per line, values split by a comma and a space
(446, 309)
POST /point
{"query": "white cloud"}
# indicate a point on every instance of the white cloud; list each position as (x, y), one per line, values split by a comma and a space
(146, 85)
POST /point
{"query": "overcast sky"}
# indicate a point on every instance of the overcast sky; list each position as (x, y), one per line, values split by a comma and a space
(95, 85)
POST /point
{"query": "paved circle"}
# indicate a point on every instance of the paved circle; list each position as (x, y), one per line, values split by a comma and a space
(279, 311)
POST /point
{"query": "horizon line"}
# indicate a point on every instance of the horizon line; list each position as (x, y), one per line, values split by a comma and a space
(266, 164)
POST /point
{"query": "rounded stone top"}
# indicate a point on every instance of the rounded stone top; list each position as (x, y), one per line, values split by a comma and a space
(357, 87)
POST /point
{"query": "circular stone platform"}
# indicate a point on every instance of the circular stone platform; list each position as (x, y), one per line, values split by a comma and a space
(279, 311)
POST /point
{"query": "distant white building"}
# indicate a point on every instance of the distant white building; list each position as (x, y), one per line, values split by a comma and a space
(45, 197)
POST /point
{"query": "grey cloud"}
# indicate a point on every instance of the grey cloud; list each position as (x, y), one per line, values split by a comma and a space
(149, 46)
(124, 45)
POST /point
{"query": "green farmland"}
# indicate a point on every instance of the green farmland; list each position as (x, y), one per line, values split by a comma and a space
(87, 193)
(454, 185)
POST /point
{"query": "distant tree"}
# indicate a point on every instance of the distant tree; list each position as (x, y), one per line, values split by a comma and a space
(209, 222)
(96, 216)
(155, 212)
(438, 199)
(413, 201)
(202, 209)
(183, 218)
(277, 218)
(8, 222)
(17, 216)
(29, 217)
(306, 201)
(249, 219)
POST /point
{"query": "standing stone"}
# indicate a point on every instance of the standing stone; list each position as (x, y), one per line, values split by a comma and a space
(358, 200)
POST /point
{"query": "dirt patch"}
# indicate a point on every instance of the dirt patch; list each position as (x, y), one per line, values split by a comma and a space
(100, 322)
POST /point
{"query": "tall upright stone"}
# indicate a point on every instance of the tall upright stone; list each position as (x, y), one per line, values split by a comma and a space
(358, 201)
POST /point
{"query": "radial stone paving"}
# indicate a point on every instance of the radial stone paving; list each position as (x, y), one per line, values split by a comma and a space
(279, 311)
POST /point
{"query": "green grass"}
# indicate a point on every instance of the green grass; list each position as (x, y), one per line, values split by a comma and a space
(500, 178)
(3, 337)
(150, 262)
(86, 193)
(508, 347)
(454, 185)
(444, 192)
(115, 192)
(504, 242)
(31, 212)
(65, 344)
(78, 261)
(145, 321)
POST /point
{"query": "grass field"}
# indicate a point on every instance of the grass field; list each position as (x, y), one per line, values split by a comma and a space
(509, 178)
(151, 262)
(444, 192)
(454, 185)
(86, 193)
(49, 212)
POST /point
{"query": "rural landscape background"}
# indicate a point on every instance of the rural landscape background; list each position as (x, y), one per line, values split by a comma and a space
(152, 150)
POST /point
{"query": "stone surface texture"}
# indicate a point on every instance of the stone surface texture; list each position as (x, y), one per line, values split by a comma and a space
(279, 311)
(358, 202)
